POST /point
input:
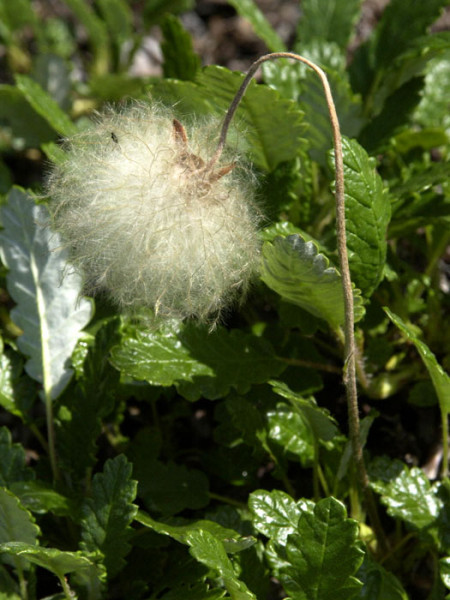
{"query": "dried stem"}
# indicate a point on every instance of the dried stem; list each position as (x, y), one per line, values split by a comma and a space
(349, 337)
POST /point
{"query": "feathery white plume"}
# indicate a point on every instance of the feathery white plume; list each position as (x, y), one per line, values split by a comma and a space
(147, 223)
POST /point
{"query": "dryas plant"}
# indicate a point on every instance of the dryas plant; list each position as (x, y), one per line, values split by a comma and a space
(152, 223)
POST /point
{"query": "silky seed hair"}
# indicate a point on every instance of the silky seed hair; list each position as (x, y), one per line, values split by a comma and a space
(148, 222)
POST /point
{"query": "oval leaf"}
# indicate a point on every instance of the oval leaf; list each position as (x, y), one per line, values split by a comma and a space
(49, 310)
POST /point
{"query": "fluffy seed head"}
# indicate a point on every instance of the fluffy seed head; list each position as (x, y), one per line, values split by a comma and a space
(147, 222)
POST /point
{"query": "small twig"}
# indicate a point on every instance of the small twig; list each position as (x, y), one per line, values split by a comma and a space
(310, 364)
(349, 335)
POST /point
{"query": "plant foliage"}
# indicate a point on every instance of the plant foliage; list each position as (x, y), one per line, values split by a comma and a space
(162, 459)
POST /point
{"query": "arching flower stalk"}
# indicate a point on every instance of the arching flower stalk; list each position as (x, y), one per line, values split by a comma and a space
(348, 335)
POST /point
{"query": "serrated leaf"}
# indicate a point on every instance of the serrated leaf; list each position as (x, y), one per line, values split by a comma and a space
(249, 10)
(180, 60)
(199, 362)
(276, 514)
(392, 37)
(210, 551)
(45, 106)
(231, 540)
(300, 274)
(268, 141)
(324, 555)
(108, 514)
(13, 462)
(325, 20)
(16, 524)
(379, 584)
(49, 310)
(440, 379)
(367, 213)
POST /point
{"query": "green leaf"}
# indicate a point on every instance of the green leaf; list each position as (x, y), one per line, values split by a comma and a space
(13, 461)
(21, 126)
(367, 212)
(180, 60)
(324, 555)
(249, 10)
(231, 540)
(107, 515)
(290, 431)
(379, 584)
(268, 141)
(40, 498)
(17, 391)
(276, 514)
(9, 589)
(199, 591)
(440, 379)
(16, 524)
(444, 565)
(118, 17)
(49, 309)
(300, 274)
(409, 496)
(392, 37)
(210, 551)
(325, 20)
(199, 362)
(52, 559)
(45, 106)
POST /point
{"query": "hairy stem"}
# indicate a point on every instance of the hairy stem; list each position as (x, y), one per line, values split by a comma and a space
(349, 336)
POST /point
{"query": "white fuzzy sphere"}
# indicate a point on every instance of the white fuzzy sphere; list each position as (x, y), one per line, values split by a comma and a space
(145, 224)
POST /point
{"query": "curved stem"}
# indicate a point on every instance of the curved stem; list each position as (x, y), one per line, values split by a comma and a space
(349, 336)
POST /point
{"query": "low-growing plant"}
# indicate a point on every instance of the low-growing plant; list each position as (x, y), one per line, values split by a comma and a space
(190, 438)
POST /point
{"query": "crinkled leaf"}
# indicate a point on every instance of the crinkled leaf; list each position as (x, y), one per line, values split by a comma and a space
(440, 379)
(180, 60)
(276, 514)
(12, 463)
(348, 107)
(210, 551)
(300, 274)
(261, 26)
(268, 141)
(367, 212)
(199, 362)
(408, 495)
(325, 20)
(45, 106)
(16, 524)
(107, 515)
(49, 310)
(290, 431)
(379, 584)
(231, 540)
(324, 555)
